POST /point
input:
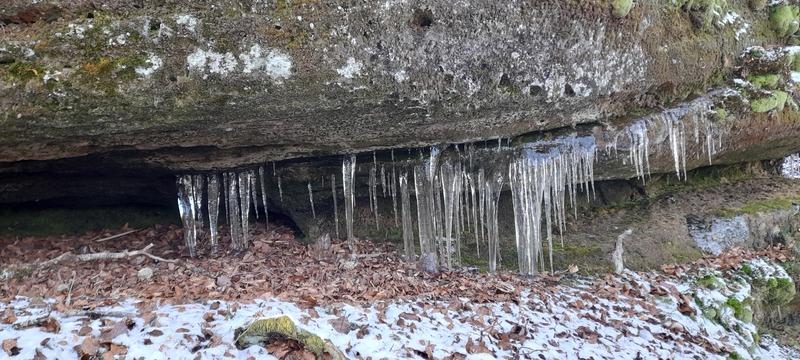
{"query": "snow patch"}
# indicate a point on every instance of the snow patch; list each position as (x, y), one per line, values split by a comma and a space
(721, 235)
(273, 62)
(189, 22)
(211, 62)
(153, 63)
(400, 76)
(351, 69)
(791, 164)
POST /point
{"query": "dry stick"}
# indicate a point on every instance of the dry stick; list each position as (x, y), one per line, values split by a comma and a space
(112, 237)
(105, 255)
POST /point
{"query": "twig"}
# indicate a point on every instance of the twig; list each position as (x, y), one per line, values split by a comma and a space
(69, 256)
(112, 237)
(71, 285)
(37, 321)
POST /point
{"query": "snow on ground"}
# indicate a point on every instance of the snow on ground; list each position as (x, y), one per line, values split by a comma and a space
(637, 315)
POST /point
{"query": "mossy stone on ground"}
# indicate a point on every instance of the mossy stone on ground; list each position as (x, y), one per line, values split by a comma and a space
(621, 8)
(264, 331)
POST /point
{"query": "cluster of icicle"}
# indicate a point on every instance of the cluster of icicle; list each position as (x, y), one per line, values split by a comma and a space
(673, 123)
(457, 197)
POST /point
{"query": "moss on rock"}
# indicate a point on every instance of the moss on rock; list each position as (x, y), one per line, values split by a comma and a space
(784, 19)
(266, 330)
(775, 101)
(780, 291)
(767, 81)
(709, 281)
(621, 8)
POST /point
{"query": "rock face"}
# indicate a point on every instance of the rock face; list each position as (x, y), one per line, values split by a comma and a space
(220, 86)
(110, 101)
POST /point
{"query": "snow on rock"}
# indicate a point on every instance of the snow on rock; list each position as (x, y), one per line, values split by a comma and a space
(351, 69)
(273, 62)
(189, 22)
(791, 164)
(721, 234)
(152, 63)
(630, 316)
(211, 62)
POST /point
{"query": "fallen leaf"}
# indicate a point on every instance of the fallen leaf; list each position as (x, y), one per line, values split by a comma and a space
(340, 324)
(477, 348)
(10, 347)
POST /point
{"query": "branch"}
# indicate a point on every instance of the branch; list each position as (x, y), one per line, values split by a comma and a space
(71, 257)
(105, 255)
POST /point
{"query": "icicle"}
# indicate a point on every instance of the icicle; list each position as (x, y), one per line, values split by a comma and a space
(348, 176)
(383, 180)
(335, 205)
(198, 184)
(187, 209)
(234, 213)
(493, 188)
(638, 152)
(244, 203)
(424, 213)
(264, 195)
(311, 199)
(254, 194)
(393, 191)
(540, 183)
(373, 192)
(405, 205)
(280, 190)
(213, 208)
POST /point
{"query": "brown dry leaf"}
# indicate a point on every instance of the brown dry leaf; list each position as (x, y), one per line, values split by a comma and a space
(10, 347)
(51, 325)
(410, 316)
(88, 347)
(39, 356)
(684, 306)
(589, 335)
(9, 317)
(340, 324)
(85, 330)
(477, 348)
(119, 328)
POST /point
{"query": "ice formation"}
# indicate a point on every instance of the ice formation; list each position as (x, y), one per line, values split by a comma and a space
(457, 188)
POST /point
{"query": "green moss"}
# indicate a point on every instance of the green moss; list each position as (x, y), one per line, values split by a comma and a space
(705, 12)
(741, 310)
(709, 281)
(621, 8)
(22, 71)
(108, 73)
(775, 101)
(784, 19)
(720, 114)
(780, 291)
(756, 207)
(266, 330)
(747, 269)
(768, 81)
